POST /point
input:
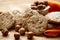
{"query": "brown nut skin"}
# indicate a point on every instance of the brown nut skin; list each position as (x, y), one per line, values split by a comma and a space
(29, 35)
(17, 36)
(45, 3)
(36, 3)
(5, 32)
(41, 7)
(22, 31)
(0, 12)
(41, 3)
(17, 27)
(34, 7)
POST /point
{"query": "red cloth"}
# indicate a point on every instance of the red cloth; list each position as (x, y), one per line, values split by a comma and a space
(54, 6)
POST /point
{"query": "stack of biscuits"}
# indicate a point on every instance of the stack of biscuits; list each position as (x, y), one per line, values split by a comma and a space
(31, 20)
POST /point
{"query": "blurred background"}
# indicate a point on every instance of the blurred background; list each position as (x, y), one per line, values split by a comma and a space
(6, 5)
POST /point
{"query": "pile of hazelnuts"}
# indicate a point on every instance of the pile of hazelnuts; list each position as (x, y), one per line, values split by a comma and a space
(20, 31)
(39, 5)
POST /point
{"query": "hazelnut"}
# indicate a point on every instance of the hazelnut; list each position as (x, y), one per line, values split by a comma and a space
(45, 3)
(0, 12)
(21, 24)
(17, 27)
(17, 35)
(36, 2)
(41, 3)
(29, 35)
(41, 7)
(22, 31)
(5, 32)
(34, 7)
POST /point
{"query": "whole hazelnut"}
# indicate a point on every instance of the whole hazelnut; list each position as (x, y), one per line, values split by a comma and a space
(41, 7)
(45, 3)
(17, 27)
(34, 7)
(0, 12)
(22, 31)
(17, 35)
(41, 3)
(5, 32)
(29, 35)
(36, 3)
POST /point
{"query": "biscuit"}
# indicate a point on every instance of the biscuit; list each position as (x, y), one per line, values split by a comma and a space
(18, 17)
(36, 22)
(6, 20)
(53, 17)
(21, 18)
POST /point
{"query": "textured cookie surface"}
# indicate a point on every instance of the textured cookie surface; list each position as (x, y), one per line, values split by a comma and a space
(36, 22)
(53, 17)
(6, 20)
(18, 17)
